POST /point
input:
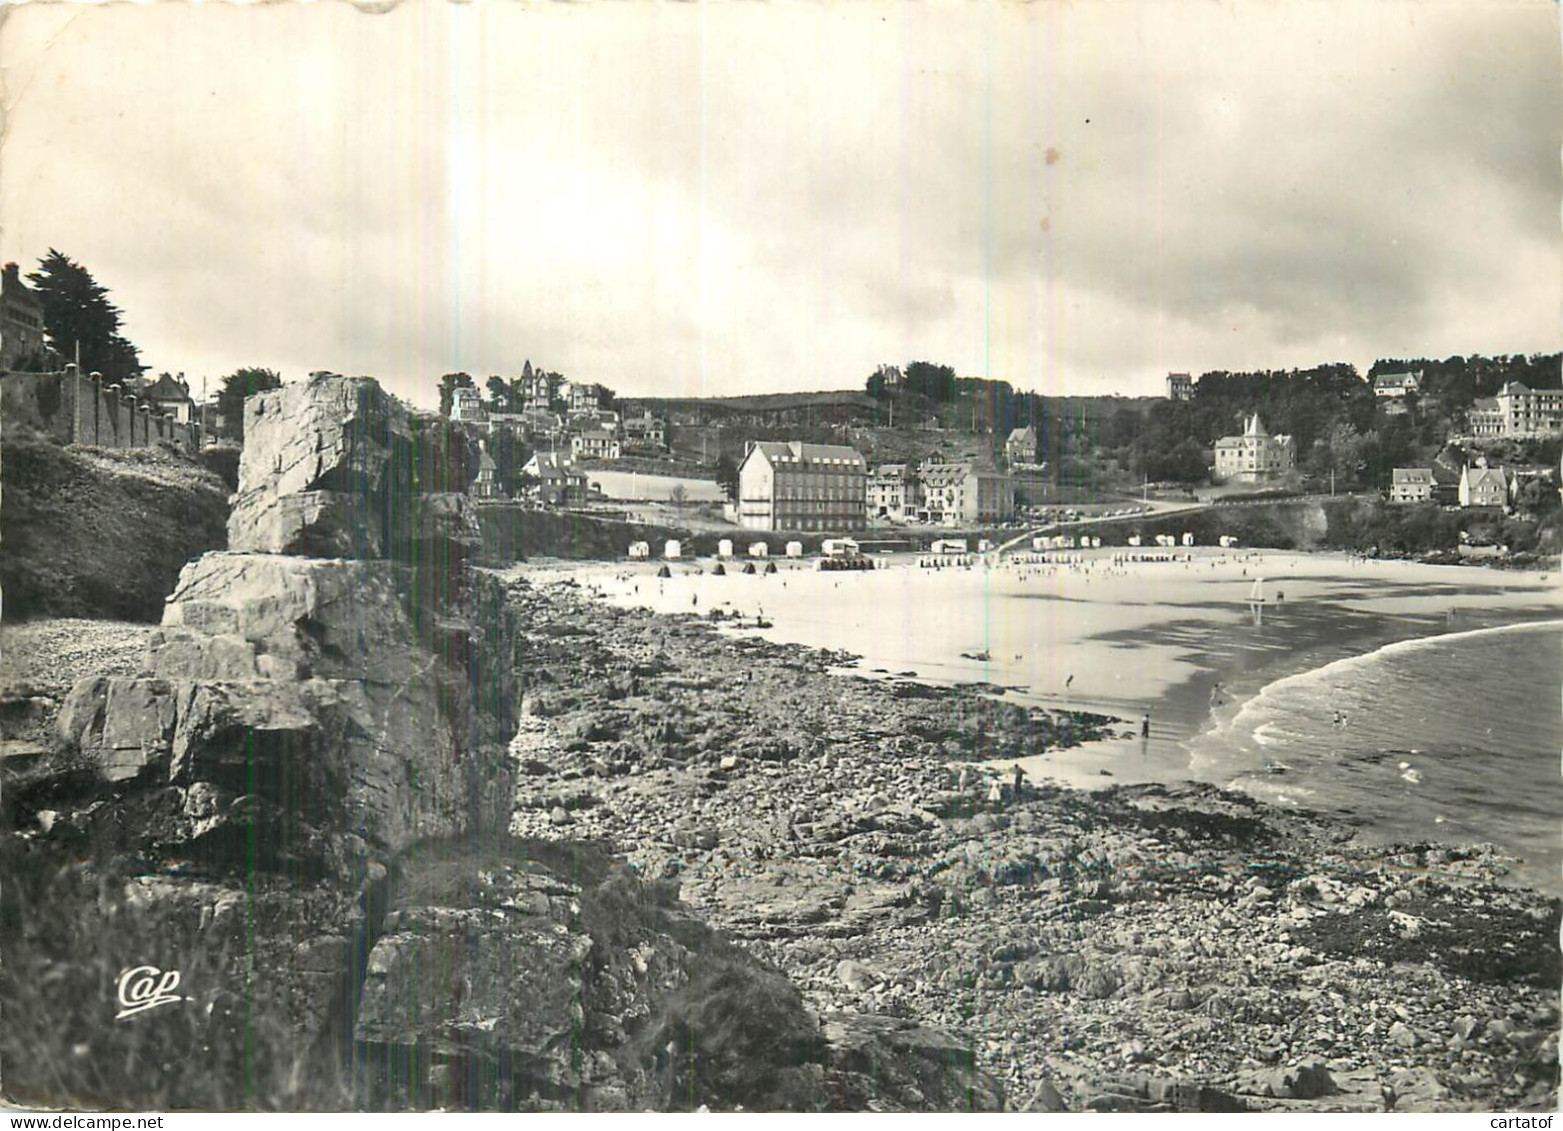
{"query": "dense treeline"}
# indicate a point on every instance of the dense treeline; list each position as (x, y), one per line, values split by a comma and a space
(1338, 428)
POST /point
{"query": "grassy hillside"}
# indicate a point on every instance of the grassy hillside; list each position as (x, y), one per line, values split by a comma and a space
(101, 534)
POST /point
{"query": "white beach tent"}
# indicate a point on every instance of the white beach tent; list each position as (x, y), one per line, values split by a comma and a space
(759, 550)
(794, 549)
(724, 548)
(672, 551)
(640, 549)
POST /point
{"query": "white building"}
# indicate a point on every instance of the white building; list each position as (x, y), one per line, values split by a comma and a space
(594, 443)
(799, 486)
(1518, 411)
(1255, 456)
(1390, 390)
(961, 494)
(893, 492)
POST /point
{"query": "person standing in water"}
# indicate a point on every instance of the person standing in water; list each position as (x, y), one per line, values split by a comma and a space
(1145, 725)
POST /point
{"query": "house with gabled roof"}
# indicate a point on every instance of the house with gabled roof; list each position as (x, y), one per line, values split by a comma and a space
(171, 395)
(1021, 447)
(557, 481)
(486, 485)
(1411, 485)
(1482, 486)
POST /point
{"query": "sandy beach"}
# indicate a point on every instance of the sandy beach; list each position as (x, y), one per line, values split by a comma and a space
(1119, 638)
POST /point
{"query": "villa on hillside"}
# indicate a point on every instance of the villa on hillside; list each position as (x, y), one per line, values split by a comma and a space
(466, 406)
(559, 482)
(1390, 390)
(1180, 387)
(1021, 447)
(583, 396)
(1482, 486)
(594, 443)
(1518, 411)
(800, 486)
(536, 392)
(645, 431)
(1411, 485)
(1255, 456)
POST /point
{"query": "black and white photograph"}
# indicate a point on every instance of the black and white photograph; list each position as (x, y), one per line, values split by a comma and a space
(831, 556)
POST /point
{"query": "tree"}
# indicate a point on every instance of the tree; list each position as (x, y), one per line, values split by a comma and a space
(498, 395)
(727, 476)
(678, 496)
(77, 313)
(449, 383)
(236, 388)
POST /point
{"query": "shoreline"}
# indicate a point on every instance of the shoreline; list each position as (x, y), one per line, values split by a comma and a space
(823, 821)
(1187, 621)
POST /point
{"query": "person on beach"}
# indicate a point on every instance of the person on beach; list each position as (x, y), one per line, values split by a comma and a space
(1145, 725)
(1020, 782)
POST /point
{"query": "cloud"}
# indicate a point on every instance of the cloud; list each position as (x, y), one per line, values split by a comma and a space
(731, 198)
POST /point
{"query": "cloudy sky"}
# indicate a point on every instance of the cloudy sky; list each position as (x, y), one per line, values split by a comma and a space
(725, 198)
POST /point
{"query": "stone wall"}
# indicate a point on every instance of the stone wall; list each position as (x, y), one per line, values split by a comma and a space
(75, 408)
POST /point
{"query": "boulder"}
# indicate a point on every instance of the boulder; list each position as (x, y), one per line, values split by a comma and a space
(900, 1064)
(1296, 1082)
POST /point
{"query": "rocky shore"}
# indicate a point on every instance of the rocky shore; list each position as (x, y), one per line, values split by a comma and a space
(1132, 948)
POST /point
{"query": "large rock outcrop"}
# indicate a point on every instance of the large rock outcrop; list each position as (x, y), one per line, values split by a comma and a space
(346, 703)
(329, 692)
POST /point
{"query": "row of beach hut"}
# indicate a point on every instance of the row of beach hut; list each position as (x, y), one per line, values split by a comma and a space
(673, 550)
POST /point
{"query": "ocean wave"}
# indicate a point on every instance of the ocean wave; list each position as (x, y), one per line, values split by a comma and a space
(1253, 716)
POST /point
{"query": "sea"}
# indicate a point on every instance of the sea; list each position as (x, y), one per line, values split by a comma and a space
(1453, 737)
